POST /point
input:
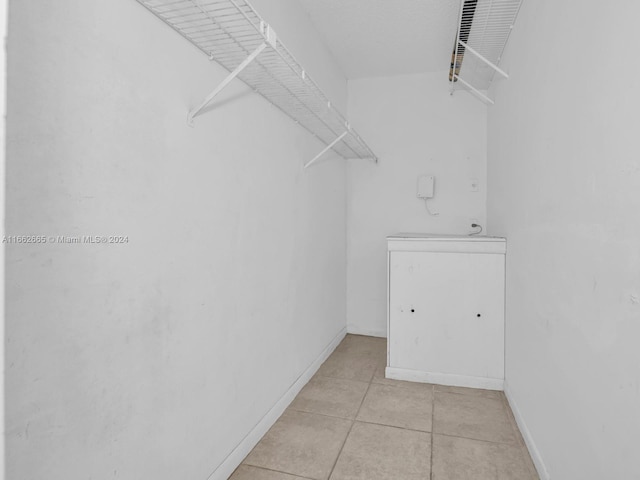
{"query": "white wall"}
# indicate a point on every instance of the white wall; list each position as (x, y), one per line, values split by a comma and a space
(415, 127)
(564, 187)
(153, 359)
(294, 27)
(3, 109)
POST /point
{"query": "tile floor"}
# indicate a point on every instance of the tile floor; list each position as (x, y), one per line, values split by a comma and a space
(351, 423)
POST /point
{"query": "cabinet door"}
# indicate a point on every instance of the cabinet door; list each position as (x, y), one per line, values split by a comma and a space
(446, 313)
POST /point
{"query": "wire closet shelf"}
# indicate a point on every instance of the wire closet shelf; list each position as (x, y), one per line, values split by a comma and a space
(232, 33)
(484, 27)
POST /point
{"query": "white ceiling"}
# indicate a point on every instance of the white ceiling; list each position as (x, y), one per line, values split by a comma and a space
(372, 38)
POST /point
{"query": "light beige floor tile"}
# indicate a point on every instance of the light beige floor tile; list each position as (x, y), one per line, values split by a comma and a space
(398, 407)
(475, 435)
(379, 378)
(301, 444)
(471, 416)
(377, 452)
(469, 391)
(466, 459)
(349, 365)
(379, 374)
(331, 396)
(360, 344)
(246, 472)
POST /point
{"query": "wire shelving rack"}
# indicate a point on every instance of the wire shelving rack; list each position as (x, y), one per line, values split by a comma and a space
(484, 27)
(232, 33)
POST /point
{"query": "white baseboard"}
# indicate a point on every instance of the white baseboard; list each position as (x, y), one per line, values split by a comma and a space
(369, 332)
(235, 458)
(444, 379)
(528, 438)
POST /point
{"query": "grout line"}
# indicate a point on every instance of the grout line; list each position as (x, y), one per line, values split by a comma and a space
(368, 422)
(432, 432)
(475, 395)
(402, 384)
(523, 450)
(344, 378)
(434, 391)
(339, 378)
(517, 444)
(271, 470)
(351, 419)
(333, 467)
(433, 414)
(350, 428)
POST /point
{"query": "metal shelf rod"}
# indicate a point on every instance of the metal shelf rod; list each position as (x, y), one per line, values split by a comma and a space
(326, 149)
(483, 32)
(491, 64)
(455, 57)
(474, 90)
(196, 111)
(233, 34)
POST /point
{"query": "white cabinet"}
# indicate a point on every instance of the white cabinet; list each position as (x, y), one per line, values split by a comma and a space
(446, 309)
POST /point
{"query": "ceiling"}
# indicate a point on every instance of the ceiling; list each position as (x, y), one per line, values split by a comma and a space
(373, 38)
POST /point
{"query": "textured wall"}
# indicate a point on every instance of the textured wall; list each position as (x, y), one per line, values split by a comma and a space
(564, 187)
(416, 128)
(154, 358)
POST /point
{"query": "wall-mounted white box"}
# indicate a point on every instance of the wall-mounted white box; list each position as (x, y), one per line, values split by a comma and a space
(426, 184)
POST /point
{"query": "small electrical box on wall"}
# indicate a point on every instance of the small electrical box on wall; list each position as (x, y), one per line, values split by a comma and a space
(425, 186)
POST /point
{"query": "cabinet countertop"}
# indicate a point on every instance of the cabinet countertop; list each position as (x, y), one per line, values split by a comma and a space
(444, 237)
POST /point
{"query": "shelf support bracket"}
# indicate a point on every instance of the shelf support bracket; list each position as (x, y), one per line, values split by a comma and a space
(475, 90)
(491, 64)
(325, 150)
(454, 63)
(196, 111)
